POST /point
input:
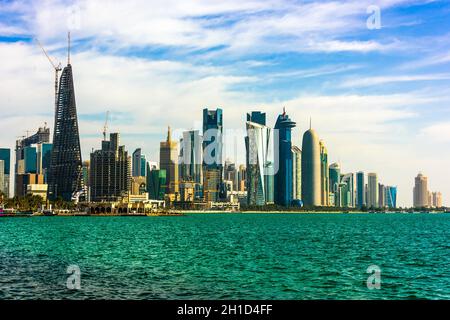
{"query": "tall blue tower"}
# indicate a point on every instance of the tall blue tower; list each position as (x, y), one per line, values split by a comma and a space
(283, 162)
(213, 120)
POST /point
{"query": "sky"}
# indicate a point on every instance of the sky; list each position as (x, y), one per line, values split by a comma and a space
(377, 91)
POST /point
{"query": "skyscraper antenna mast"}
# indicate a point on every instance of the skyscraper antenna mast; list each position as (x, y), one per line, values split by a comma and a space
(68, 47)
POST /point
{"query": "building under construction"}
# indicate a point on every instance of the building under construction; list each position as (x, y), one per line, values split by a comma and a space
(65, 167)
(110, 171)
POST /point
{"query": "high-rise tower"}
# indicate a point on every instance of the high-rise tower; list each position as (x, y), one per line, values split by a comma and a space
(64, 177)
(372, 190)
(259, 160)
(421, 191)
(324, 175)
(311, 173)
(283, 160)
(168, 161)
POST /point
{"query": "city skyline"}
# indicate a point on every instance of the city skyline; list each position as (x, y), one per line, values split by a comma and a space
(397, 119)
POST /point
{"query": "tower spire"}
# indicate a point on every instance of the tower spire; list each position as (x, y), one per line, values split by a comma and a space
(310, 123)
(68, 47)
(169, 134)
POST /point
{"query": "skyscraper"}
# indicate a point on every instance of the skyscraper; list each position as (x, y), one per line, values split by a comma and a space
(324, 175)
(283, 160)
(64, 178)
(168, 161)
(190, 162)
(137, 163)
(311, 173)
(259, 160)
(213, 138)
(5, 156)
(372, 190)
(391, 197)
(110, 171)
(420, 191)
(347, 190)
(335, 180)
(296, 173)
(381, 195)
(436, 199)
(44, 155)
(360, 192)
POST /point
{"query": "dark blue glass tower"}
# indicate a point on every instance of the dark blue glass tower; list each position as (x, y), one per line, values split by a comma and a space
(5, 155)
(360, 190)
(213, 119)
(283, 177)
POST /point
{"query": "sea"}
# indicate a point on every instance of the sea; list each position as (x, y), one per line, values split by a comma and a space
(227, 256)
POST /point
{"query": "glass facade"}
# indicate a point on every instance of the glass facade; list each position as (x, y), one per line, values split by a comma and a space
(283, 162)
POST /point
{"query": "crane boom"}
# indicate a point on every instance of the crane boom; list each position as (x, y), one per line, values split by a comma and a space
(57, 70)
(48, 57)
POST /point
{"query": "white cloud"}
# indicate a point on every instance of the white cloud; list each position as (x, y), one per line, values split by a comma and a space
(372, 81)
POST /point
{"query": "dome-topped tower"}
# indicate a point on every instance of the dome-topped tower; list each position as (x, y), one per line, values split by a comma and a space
(311, 169)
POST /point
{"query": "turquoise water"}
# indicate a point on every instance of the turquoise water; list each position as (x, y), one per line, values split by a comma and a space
(227, 256)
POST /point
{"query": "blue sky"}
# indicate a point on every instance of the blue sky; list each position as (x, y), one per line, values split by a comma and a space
(380, 98)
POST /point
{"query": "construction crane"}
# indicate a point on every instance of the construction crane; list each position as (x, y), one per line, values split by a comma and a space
(57, 68)
(105, 127)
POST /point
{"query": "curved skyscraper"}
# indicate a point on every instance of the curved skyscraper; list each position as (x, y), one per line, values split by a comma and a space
(259, 160)
(64, 177)
(311, 169)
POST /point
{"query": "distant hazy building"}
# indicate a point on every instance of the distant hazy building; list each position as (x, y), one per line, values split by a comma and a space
(110, 171)
(335, 181)
(296, 173)
(283, 160)
(191, 160)
(231, 174)
(43, 156)
(435, 200)
(168, 161)
(5, 156)
(360, 190)
(324, 175)
(242, 178)
(391, 197)
(420, 192)
(347, 191)
(138, 163)
(372, 190)
(259, 161)
(381, 195)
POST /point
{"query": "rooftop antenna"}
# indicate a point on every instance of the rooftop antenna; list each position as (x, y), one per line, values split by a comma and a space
(310, 123)
(68, 47)
(105, 127)
(169, 134)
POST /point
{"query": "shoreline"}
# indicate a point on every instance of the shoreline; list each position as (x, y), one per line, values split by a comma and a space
(185, 212)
